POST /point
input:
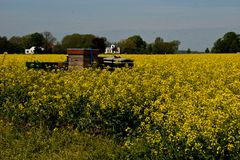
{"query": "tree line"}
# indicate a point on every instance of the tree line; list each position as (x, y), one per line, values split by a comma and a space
(47, 41)
(132, 45)
(229, 43)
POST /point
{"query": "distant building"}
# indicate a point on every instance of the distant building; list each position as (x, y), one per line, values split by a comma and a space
(32, 49)
(113, 49)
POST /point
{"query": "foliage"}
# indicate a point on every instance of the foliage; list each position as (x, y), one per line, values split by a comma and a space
(133, 44)
(100, 43)
(49, 41)
(58, 48)
(207, 50)
(230, 43)
(17, 44)
(37, 40)
(3, 44)
(84, 41)
(161, 47)
(40, 143)
(165, 107)
(189, 50)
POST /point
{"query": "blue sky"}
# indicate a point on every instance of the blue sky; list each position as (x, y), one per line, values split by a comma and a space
(196, 23)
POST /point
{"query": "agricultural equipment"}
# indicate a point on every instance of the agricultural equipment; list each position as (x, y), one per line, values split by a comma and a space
(82, 58)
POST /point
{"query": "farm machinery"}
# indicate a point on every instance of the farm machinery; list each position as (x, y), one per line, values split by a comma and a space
(82, 58)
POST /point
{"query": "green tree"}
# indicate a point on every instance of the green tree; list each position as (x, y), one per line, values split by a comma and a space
(161, 47)
(207, 50)
(49, 41)
(11, 46)
(158, 46)
(71, 41)
(140, 43)
(58, 49)
(99, 43)
(189, 50)
(133, 44)
(175, 45)
(149, 48)
(127, 46)
(37, 40)
(16, 44)
(26, 40)
(78, 41)
(84, 41)
(3, 44)
(229, 43)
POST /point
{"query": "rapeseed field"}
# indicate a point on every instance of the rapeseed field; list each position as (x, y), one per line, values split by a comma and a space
(165, 107)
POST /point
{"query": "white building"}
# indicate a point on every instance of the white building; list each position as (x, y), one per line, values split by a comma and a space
(112, 49)
(32, 49)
